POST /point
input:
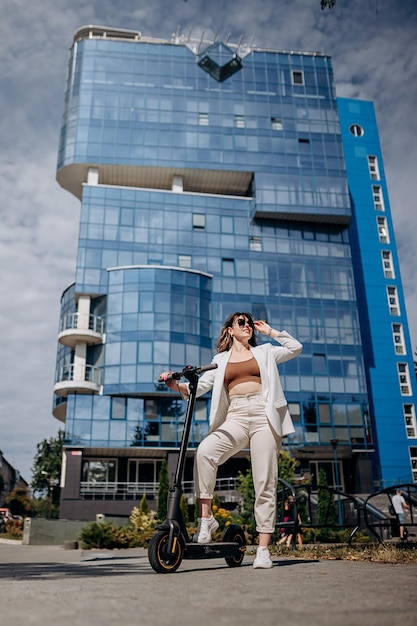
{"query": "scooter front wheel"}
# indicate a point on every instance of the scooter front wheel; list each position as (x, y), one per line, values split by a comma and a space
(235, 533)
(162, 561)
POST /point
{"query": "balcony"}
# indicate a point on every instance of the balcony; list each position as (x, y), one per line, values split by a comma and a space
(226, 488)
(78, 328)
(59, 410)
(78, 377)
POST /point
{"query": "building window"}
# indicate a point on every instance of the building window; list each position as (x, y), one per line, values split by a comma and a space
(295, 411)
(373, 167)
(297, 77)
(199, 220)
(151, 409)
(203, 119)
(398, 337)
(144, 472)
(324, 413)
(255, 244)
(239, 121)
(387, 264)
(356, 130)
(184, 260)
(304, 145)
(410, 420)
(228, 267)
(382, 229)
(394, 307)
(413, 460)
(404, 378)
(319, 364)
(378, 198)
(95, 471)
(118, 408)
(276, 123)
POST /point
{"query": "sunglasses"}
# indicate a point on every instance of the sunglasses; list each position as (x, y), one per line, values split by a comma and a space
(241, 322)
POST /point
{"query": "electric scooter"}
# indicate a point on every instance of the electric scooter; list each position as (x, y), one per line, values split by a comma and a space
(171, 543)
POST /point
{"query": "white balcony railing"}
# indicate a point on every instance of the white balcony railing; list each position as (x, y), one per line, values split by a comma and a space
(82, 322)
(78, 377)
(77, 328)
(79, 372)
(135, 490)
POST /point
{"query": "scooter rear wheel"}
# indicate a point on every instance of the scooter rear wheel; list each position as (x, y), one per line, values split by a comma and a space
(235, 533)
(159, 558)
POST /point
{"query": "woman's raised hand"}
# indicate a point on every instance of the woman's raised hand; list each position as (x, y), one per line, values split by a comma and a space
(262, 327)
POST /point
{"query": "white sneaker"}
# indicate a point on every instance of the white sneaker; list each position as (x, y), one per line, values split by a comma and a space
(262, 559)
(206, 526)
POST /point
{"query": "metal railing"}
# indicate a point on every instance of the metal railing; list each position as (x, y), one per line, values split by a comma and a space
(135, 490)
(387, 525)
(338, 510)
(79, 372)
(82, 321)
(341, 511)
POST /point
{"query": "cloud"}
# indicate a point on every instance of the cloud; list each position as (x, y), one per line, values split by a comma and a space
(374, 58)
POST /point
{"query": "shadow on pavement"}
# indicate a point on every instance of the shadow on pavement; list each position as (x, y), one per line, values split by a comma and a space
(111, 565)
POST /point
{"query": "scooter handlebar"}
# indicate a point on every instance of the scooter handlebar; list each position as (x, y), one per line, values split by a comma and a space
(206, 368)
(189, 369)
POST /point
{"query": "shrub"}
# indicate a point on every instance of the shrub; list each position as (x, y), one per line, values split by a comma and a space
(103, 535)
(143, 507)
(142, 521)
(163, 490)
(14, 529)
(184, 510)
(246, 488)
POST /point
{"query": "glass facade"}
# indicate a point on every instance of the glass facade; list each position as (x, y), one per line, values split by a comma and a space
(203, 194)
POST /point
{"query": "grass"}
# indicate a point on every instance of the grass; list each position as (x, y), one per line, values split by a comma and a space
(376, 553)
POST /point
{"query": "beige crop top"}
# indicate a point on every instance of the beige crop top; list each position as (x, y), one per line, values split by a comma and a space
(242, 372)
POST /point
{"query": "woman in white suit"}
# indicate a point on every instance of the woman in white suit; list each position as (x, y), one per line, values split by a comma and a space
(248, 408)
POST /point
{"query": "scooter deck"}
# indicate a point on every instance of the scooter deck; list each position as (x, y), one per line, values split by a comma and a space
(213, 550)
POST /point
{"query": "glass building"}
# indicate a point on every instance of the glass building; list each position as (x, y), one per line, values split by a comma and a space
(216, 177)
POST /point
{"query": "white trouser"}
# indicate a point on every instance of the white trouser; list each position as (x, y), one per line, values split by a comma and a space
(246, 424)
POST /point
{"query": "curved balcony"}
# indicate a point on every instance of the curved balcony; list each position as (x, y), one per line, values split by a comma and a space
(59, 410)
(79, 328)
(78, 377)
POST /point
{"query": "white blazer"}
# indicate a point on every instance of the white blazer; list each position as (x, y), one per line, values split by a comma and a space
(267, 356)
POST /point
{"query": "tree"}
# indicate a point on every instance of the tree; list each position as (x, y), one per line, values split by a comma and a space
(327, 3)
(326, 510)
(19, 502)
(47, 471)
(287, 466)
(247, 491)
(144, 507)
(163, 491)
(184, 510)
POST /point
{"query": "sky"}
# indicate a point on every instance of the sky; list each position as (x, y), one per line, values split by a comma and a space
(373, 45)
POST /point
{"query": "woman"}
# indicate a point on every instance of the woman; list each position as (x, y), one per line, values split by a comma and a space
(248, 408)
(285, 519)
(297, 525)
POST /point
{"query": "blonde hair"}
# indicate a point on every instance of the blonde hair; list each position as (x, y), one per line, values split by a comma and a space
(225, 339)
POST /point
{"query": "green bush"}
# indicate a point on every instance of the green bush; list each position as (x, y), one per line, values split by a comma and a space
(184, 510)
(163, 490)
(101, 535)
(105, 535)
(333, 535)
(247, 490)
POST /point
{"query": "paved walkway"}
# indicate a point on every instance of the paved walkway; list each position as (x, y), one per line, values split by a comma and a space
(43, 585)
